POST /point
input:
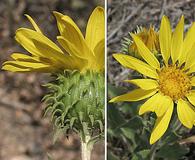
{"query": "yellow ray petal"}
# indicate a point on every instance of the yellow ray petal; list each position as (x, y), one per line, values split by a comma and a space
(20, 69)
(177, 40)
(191, 69)
(99, 54)
(95, 28)
(188, 43)
(26, 36)
(161, 125)
(145, 84)
(24, 57)
(191, 97)
(190, 58)
(192, 81)
(33, 65)
(135, 95)
(36, 27)
(145, 52)
(136, 64)
(70, 48)
(157, 103)
(27, 58)
(15, 69)
(36, 42)
(165, 38)
(185, 113)
(66, 61)
(163, 104)
(72, 35)
(149, 105)
(60, 23)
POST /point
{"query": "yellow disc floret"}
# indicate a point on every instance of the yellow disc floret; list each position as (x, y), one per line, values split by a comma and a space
(173, 82)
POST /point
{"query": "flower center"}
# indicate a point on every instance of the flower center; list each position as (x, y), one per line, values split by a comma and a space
(173, 82)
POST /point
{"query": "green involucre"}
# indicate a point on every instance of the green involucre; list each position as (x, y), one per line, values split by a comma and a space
(76, 102)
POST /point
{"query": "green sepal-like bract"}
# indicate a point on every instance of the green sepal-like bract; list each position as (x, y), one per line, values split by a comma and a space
(76, 102)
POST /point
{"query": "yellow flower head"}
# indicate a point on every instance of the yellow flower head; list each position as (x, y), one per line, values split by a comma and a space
(150, 38)
(79, 52)
(168, 83)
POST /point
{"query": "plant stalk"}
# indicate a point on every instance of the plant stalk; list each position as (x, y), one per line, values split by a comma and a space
(86, 149)
(153, 151)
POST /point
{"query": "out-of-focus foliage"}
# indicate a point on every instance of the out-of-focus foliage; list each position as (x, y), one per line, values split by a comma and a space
(128, 133)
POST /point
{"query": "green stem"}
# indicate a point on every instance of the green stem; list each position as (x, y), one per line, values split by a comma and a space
(86, 149)
(153, 150)
(176, 127)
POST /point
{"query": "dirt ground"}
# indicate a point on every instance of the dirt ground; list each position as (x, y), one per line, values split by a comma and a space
(24, 133)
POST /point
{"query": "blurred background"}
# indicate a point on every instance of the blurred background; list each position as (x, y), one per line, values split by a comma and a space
(24, 133)
(122, 18)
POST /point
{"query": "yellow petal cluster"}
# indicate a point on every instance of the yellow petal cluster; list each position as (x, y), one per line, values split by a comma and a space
(150, 38)
(166, 84)
(77, 52)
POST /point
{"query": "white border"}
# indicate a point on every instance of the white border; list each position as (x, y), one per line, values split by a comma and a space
(105, 110)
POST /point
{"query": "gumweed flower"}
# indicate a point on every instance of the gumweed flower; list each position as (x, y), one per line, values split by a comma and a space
(165, 83)
(150, 38)
(76, 92)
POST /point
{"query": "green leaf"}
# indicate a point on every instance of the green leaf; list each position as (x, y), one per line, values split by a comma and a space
(170, 138)
(111, 156)
(129, 133)
(134, 123)
(141, 155)
(172, 152)
(130, 108)
(115, 119)
(115, 91)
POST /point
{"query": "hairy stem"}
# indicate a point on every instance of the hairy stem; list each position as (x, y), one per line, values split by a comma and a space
(86, 149)
(153, 151)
